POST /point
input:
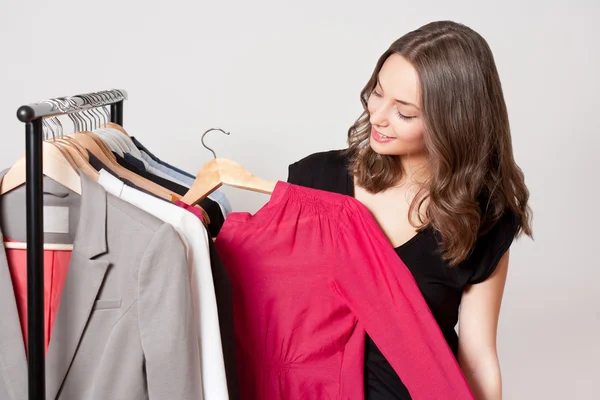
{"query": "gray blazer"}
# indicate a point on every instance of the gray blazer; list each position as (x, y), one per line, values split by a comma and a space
(124, 328)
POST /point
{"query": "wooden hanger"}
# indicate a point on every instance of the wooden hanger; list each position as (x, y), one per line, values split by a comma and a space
(78, 157)
(103, 110)
(101, 144)
(115, 126)
(57, 166)
(99, 149)
(173, 196)
(91, 143)
(65, 154)
(75, 144)
(222, 171)
(79, 123)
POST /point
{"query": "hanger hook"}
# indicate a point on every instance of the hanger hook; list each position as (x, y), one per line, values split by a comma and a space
(204, 144)
(74, 114)
(55, 103)
(102, 99)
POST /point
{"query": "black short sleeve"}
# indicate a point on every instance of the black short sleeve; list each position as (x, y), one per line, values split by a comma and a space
(324, 171)
(491, 247)
(298, 174)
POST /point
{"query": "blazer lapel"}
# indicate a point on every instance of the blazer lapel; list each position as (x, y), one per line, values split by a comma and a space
(83, 281)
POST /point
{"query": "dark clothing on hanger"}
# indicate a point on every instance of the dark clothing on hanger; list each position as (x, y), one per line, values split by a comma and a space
(223, 295)
(99, 165)
(441, 285)
(141, 147)
(225, 310)
(211, 207)
(134, 161)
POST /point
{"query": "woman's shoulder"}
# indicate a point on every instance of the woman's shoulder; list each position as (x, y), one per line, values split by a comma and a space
(326, 170)
(325, 160)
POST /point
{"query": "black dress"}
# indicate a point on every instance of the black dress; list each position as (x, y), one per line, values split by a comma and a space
(441, 285)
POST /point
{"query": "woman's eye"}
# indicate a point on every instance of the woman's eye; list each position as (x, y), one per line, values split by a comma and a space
(404, 117)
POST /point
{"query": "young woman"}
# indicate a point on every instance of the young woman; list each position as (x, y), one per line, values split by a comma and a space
(431, 158)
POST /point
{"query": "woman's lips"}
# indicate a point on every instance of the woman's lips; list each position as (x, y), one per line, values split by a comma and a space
(380, 138)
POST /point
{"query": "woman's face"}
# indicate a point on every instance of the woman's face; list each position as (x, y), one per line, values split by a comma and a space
(394, 108)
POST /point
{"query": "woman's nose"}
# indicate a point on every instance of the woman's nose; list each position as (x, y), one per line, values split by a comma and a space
(378, 116)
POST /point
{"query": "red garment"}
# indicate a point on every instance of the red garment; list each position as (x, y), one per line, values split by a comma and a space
(56, 265)
(311, 272)
(194, 210)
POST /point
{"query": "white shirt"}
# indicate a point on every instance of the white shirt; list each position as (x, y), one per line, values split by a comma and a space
(195, 238)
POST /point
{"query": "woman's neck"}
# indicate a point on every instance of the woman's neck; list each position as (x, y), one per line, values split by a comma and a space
(415, 170)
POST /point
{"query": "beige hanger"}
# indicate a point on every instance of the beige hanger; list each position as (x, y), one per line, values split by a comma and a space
(57, 166)
(75, 153)
(100, 144)
(65, 154)
(91, 143)
(115, 126)
(106, 116)
(54, 165)
(222, 171)
(77, 146)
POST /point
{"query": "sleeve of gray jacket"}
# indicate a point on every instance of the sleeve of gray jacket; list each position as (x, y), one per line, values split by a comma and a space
(169, 336)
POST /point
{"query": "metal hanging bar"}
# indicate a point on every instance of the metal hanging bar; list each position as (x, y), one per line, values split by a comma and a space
(72, 104)
(32, 116)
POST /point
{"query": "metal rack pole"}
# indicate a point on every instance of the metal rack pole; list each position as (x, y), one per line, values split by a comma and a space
(35, 261)
(32, 116)
(116, 113)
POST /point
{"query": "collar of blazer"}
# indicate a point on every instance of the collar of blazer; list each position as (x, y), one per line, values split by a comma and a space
(84, 279)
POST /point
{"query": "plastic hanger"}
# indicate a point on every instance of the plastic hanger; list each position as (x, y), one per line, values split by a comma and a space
(222, 171)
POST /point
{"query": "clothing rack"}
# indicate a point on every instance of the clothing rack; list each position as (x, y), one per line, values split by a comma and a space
(32, 115)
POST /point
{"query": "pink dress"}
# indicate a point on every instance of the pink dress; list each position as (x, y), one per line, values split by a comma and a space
(311, 272)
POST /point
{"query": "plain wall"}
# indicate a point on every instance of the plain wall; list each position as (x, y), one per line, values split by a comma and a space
(285, 80)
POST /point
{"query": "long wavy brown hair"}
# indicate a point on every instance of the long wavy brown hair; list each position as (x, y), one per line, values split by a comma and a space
(474, 178)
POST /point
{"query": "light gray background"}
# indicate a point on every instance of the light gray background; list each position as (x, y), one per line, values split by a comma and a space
(285, 80)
